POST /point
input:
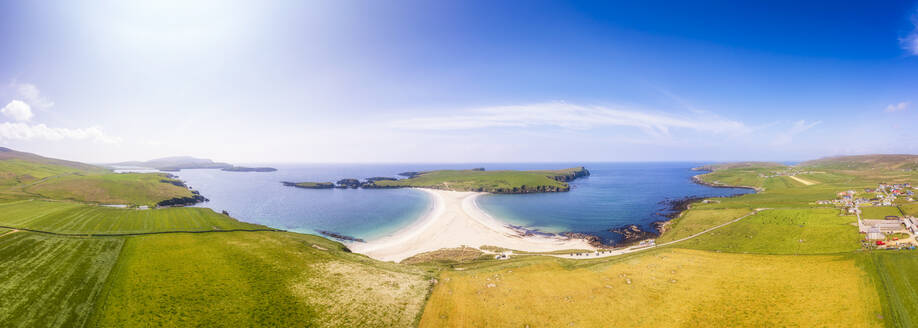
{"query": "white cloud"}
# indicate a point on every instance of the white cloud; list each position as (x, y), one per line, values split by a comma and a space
(17, 110)
(30, 93)
(23, 131)
(910, 42)
(798, 127)
(570, 116)
(897, 107)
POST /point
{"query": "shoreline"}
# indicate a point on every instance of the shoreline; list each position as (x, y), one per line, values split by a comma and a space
(456, 220)
(680, 206)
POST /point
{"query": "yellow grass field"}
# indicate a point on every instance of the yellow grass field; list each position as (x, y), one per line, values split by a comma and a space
(665, 288)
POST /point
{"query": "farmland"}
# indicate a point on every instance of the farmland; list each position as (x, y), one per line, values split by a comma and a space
(75, 218)
(110, 188)
(256, 279)
(896, 281)
(879, 212)
(784, 231)
(52, 281)
(696, 221)
(663, 288)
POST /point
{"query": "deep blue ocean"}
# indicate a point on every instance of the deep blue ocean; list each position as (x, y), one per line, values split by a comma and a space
(616, 194)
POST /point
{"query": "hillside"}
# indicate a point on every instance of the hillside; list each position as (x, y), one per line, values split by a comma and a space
(29, 175)
(737, 165)
(176, 163)
(18, 168)
(863, 162)
(9, 154)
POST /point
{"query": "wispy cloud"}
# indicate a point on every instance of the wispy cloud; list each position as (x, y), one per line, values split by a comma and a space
(909, 43)
(23, 131)
(898, 107)
(31, 95)
(798, 127)
(572, 116)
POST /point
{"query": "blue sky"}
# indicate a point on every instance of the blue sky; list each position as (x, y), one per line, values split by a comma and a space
(463, 81)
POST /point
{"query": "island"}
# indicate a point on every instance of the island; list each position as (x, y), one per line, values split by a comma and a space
(248, 169)
(178, 163)
(309, 185)
(477, 179)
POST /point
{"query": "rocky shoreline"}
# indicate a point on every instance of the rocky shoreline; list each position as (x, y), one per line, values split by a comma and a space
(673, 208)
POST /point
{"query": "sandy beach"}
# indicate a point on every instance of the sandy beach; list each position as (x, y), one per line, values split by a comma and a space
(456, 220)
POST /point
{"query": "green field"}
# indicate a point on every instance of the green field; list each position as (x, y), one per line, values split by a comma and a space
(489, 181)
(52, 281)
(661, 288)
(75, 218)
(16, 171)
(783, 231)
(256, 279)
(909, 209)
(110, 188)
(695, 221)
(879, 212)
(897, 284)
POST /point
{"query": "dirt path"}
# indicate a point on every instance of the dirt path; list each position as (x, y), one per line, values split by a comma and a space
(633, 249)
(9, 232)
(802, 180)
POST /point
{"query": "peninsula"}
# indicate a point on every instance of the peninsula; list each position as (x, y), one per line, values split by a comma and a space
(475, 180)
(178, 163)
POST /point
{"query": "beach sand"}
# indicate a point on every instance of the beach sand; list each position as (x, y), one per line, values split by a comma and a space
(456, 220)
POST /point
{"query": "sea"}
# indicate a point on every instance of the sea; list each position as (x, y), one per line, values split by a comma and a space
(614, 195)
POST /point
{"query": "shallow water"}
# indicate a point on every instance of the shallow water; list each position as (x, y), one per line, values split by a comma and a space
(616, 194)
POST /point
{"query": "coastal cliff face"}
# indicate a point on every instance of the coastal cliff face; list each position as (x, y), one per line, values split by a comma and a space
(184, 201)
(573, 174)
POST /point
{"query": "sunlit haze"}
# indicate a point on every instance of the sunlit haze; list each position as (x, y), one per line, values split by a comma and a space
(465, 81)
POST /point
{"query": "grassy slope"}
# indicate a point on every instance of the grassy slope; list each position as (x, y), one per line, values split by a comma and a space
(17, 171)
(52, 281)
(663, 288)
(494, 181)
(783, 231)
(695, 221)
(246, 279)
(110, 188)
(74, 218)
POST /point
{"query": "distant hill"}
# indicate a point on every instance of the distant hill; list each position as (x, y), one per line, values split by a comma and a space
(177, 163)
(736, 165)
(860, 162)
(9, 154)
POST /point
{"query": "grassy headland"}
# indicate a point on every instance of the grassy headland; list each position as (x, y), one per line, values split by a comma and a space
(502, 181)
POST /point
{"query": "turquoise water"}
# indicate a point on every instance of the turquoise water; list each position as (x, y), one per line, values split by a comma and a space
(616, 194)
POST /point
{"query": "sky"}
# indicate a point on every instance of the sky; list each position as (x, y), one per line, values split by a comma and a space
(458, 81)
